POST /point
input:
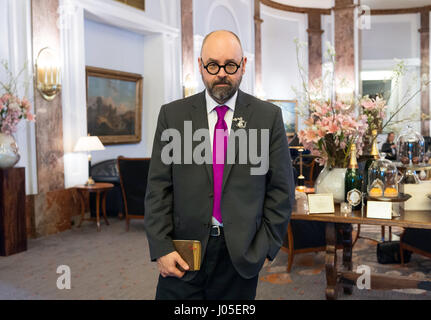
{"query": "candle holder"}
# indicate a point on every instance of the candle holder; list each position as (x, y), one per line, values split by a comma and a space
(47, 74)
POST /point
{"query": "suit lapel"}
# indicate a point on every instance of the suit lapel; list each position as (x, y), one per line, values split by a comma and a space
(199, 117)
(242, 110)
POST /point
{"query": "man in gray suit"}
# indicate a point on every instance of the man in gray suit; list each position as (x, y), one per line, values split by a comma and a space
(239, 216)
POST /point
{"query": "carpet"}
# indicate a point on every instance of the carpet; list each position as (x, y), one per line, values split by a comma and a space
(115, 264)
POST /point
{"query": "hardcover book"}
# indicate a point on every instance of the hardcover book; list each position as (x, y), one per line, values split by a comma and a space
(190, 251)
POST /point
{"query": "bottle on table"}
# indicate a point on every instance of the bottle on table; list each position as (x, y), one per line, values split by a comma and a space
(353, 181)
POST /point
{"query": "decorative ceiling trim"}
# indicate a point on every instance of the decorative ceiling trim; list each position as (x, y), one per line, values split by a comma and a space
(400, 11)
(285, 7)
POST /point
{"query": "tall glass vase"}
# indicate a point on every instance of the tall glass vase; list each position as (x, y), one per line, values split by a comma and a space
(9, 155)
(331, 180)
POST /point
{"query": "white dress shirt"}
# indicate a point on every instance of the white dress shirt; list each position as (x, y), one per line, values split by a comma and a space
(212, 120)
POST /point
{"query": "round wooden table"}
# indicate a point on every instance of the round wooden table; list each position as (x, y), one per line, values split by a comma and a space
(98, 188)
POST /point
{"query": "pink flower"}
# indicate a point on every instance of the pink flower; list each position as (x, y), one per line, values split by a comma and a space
(26, 104)
(5, 98)
(29, 116)
(332, 128)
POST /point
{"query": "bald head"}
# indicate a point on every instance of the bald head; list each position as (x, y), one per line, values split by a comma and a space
(219, 39)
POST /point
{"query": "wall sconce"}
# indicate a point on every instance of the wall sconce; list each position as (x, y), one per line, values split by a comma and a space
(345, 93)
(48, 74)
(189, 86)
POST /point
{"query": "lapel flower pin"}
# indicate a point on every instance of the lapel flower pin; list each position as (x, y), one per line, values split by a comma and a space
(240, 123)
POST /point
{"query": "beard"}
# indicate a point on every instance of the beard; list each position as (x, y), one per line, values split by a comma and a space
(221, 94)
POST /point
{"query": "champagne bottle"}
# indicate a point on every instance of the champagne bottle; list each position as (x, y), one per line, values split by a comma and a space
(353, 181)
(374, 155)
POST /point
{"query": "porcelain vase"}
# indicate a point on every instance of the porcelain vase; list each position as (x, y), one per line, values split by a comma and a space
(9, 155)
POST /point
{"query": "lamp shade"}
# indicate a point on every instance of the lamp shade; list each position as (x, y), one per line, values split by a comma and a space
(88, 143)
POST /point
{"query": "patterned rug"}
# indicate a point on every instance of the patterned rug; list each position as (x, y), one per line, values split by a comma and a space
(307, 277)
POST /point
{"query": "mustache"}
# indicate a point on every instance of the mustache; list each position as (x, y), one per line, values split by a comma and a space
(222, 82)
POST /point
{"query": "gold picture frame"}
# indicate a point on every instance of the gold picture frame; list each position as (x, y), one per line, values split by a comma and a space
(290, 116)
(114, 105)
(139, 4)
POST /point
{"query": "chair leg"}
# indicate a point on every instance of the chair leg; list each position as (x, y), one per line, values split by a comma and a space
(383, 233)
(290, 247)
(290, 259)
(390, 233)
(357, 235)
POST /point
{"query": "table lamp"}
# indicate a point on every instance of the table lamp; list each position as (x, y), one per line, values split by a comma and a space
(88, 144)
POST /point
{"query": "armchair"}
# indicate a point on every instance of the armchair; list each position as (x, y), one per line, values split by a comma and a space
(133, 179)
(107, 171)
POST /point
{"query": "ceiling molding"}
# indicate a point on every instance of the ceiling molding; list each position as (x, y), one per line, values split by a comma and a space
(284, 7)
(400, 11)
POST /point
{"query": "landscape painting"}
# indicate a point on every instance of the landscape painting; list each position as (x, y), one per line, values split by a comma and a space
(290, 117)
(114, 105)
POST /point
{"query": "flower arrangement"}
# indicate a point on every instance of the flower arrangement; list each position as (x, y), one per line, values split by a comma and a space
(331, 131)
(333, 125)
(375, 111)
(12, 108)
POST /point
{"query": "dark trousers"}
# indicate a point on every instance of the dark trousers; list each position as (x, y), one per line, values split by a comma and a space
(216, 280)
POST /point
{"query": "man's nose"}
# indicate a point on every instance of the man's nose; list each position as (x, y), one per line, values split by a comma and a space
(222, 73)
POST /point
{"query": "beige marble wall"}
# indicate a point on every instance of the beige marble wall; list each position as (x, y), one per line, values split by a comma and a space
(257, 48)
(187, 38)
(314, 47)
(344, 43)
(425, 69)
(49, 122)
(51, 209)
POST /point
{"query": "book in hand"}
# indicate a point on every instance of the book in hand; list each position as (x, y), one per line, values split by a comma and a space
(190, 251)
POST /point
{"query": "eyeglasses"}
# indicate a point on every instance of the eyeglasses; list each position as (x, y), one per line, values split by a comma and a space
(230, 68)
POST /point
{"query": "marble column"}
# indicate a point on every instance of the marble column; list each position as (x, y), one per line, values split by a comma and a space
(344, 35)
(314, 47)
(425, 70)
(258, 89)
(49, 120)
(51, 209)
(187, 42)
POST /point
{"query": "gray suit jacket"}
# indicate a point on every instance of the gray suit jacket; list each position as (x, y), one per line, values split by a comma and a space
(255, 208)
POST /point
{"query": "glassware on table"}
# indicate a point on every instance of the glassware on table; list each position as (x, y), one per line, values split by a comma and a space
(345, 208)
(301, 202)
(410, 147)
(383, 179)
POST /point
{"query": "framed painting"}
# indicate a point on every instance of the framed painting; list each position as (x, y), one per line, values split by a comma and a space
(290, 117)
(114, 105)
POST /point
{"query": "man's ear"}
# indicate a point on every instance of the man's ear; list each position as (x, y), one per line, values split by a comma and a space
(244, 62)
(200, 65)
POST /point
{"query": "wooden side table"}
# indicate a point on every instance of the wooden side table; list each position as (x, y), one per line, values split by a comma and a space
(13, 231)
(98, 188)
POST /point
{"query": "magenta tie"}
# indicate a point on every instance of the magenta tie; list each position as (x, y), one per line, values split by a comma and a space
(219, 153)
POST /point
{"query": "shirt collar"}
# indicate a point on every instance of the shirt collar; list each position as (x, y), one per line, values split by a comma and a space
(211, 103)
